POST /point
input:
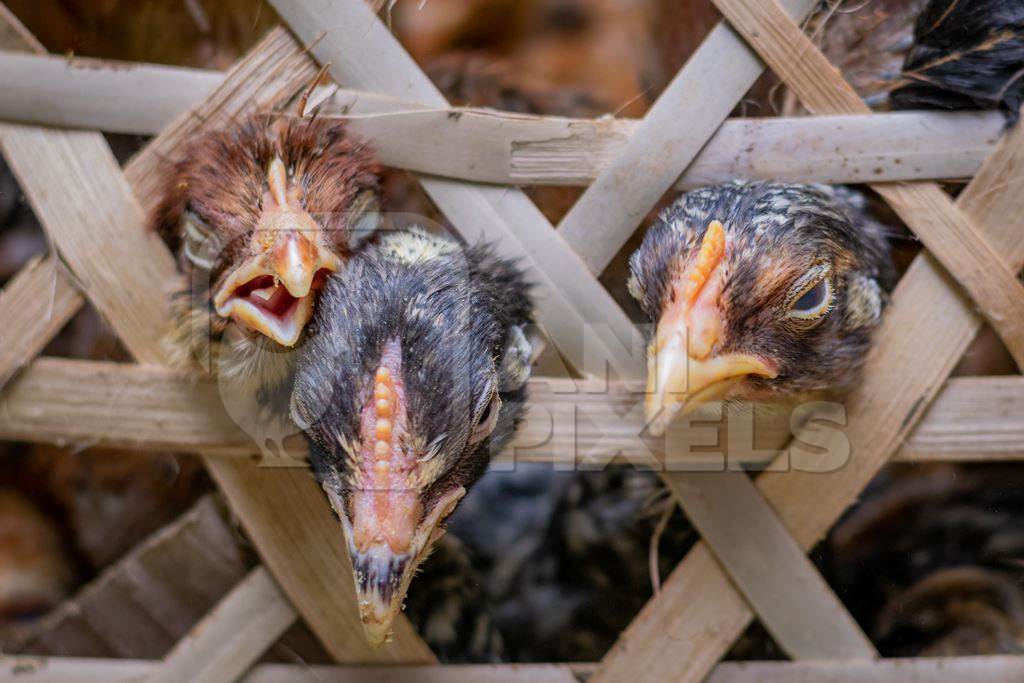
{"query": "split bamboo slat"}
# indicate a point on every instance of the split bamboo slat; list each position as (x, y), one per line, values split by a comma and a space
(26, 332)
(27, 329)
(150, 408)
(990, 669)
(487, 146)
(232, 636)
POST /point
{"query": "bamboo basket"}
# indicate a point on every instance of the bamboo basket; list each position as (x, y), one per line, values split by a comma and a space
(752, 559)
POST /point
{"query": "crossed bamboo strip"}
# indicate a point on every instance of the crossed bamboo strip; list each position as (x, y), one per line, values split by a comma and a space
(147, 408)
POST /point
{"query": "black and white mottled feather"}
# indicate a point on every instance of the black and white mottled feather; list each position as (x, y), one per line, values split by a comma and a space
(776, 234)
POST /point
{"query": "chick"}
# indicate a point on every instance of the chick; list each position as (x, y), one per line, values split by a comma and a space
(965, 55)
(930, 54)
(413, 377)
(758, 290)
(260, 212)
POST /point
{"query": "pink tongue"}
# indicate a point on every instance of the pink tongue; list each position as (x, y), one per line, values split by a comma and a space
(278, 302)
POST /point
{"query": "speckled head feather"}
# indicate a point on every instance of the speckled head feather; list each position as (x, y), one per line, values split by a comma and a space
(425, 337)
(785, 245)
(257, 212)
(222, 176)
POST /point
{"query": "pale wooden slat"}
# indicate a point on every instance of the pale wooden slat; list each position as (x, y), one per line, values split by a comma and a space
(674, 130)
(26, 332)
(90, 240)
(483, 145)
(80, 196)
(990, 669)
(26, 328)
(133, 406)
(328, 602)
(690, 625)
(795, 604)
(929, 212)
(125, 611)
(149, 408)
(232, 636)
(573, 309)
(14, 35)
(97, 94)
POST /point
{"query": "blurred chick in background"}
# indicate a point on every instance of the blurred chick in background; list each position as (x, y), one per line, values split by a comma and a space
(930, 54)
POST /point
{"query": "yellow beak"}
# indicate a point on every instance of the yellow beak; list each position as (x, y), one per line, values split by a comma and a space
(677, 382)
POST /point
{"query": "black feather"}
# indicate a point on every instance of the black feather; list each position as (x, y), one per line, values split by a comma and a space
(967, 54)
(453, 310)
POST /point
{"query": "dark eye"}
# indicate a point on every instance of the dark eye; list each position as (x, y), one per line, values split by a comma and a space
(812, 300)
(487, 418)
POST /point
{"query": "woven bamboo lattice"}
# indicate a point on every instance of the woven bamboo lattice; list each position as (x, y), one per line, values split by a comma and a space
(755, 534)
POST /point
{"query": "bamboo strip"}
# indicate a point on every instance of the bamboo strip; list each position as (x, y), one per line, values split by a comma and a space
(78, 193)
(27, 329)
(795, 604)
(674, 130)
(14, 36)
(482, 145)
(26, 332)
(152, 408)
(98, 94)
(930, 213)
(991, 669)
(232, 637)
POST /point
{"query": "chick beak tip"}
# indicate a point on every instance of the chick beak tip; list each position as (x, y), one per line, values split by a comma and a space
(382, 580)
(382, 573)
(295, 264)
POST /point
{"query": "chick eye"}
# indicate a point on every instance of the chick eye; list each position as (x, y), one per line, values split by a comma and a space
(812, 298)
(487, 419)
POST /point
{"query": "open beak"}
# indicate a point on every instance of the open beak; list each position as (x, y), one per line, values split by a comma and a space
(272, 291)
(684, 368)
(388, 536)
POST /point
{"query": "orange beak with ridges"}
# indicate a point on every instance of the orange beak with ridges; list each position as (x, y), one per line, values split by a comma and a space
(683, 370)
